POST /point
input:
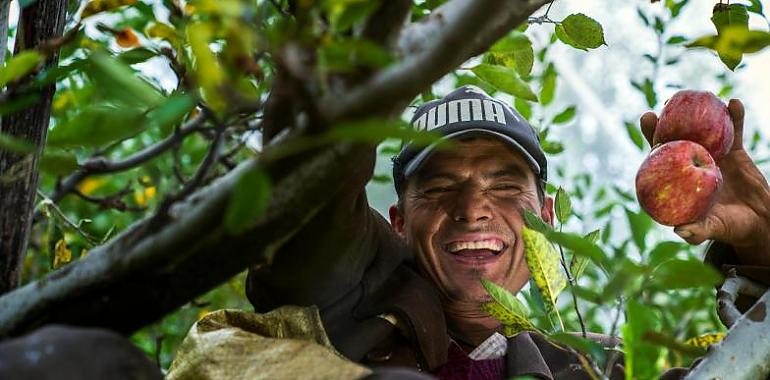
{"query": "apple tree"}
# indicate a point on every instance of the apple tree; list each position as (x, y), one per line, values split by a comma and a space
(151, 151)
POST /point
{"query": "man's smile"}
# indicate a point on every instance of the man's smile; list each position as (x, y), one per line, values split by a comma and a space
(475, 250)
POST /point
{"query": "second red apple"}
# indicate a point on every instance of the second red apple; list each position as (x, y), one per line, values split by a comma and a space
(678, 183)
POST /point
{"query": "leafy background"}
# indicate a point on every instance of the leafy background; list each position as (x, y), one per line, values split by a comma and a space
(582, 75)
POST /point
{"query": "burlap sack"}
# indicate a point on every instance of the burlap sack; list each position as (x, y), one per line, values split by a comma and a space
(286, 343)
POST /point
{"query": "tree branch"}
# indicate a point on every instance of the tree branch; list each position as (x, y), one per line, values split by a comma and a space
(147, 272)
(100, 165)
(744, 352)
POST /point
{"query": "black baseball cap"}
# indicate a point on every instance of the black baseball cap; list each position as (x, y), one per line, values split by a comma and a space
(466, 110)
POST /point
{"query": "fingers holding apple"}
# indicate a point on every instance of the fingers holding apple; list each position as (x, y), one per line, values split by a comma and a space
(725, 199)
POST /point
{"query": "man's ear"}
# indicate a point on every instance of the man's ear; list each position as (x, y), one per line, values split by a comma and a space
(547, 212)
(396, 220)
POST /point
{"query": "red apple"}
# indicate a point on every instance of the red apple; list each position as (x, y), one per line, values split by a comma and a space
(678, 183)
(697, 116)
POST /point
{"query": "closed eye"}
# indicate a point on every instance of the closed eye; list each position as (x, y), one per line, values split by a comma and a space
(438, 190)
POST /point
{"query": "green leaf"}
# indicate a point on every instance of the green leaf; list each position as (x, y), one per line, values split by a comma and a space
(208, 72)
(15, 145)
(376, 130)
(117, 81)
(544, 266)
(349, 54)
(344, 16)
(579, 245)
(673, 40)
(580, 262)
(756, 7)
(137, 55)
(20, 65)
(171, 111)
(641, 356)
(249, 199)
(563, 205)
(583, 31)
(730, 16)
(732, 42)
(513, 323)
(523, 107)
(505, 79)
(536, 223)
(682, 274)
(635, 134)
(58, 162)
(552, 147)
(584, 345)
(96, 126)
(505, 298)
(548, 83)
(647, 88)
(640, 224)
(663, 251)
(514, 51)
(565, 116)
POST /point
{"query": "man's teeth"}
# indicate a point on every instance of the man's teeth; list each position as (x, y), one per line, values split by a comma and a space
(491, 244)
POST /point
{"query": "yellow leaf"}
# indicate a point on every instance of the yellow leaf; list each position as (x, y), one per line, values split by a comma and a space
(83, 253)
(512, 323)
(139, 198)
(705, 340)
(126, 38)
(162, 31)
(544, 265)
(62, 254)
(149, 192)
(98, 6)
(89, 185)
(202, 313)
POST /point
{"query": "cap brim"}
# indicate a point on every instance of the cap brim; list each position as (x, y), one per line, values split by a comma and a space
(421, 157)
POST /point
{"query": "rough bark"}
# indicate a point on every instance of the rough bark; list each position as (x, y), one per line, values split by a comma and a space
(143, 274)
(39, 22)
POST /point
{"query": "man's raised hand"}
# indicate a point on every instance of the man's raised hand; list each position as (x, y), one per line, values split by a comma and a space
(741, 216)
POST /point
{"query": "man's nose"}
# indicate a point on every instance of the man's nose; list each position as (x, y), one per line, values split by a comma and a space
(471, 206)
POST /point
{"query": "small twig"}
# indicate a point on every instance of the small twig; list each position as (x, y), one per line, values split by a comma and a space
(572, 284)
(100, 165)
(549, 8)
(58, 214)
(613, 332)
(113, 201)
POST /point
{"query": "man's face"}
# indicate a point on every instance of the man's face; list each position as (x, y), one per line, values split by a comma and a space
(462, 215)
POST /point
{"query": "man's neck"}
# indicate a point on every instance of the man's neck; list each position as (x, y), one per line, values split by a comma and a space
(470, 322)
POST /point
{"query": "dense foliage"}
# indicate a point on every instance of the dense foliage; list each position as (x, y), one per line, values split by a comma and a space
(156, 99)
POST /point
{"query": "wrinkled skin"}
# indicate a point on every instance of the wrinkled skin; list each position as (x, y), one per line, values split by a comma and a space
(472, 192)
(741, 216)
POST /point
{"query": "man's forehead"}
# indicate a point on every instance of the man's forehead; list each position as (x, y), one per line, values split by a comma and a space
(477, 152)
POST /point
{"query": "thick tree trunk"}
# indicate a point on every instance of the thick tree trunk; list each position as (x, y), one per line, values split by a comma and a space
(38, 23)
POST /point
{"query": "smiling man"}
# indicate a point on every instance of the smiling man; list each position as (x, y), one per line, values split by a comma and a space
(408, 293)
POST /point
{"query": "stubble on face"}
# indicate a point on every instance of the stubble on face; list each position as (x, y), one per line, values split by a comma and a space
(470, 205)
